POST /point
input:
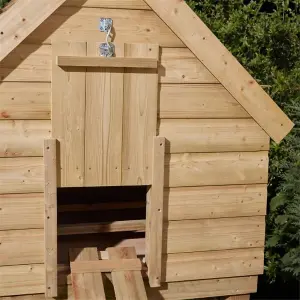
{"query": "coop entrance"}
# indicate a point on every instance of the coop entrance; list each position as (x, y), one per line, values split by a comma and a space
(104, 120)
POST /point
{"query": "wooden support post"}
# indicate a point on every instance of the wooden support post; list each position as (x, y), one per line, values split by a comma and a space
(154, 222)
(238, 297)
(50, 218)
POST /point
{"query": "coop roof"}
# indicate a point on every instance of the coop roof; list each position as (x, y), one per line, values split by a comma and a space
(26, 15)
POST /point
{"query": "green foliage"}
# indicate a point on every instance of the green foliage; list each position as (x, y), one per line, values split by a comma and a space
(3, 3)
(265, 37)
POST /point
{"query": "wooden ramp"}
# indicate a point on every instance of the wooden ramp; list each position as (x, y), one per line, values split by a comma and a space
(122, 263)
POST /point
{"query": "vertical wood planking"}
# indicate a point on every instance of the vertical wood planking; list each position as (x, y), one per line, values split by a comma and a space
(139, 117)
(103, 125)
(50, 160)
(86, 285)
(127, 284)
(154, 222)
(68, 111)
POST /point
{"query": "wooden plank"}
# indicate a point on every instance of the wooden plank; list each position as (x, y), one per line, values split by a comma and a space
(238, 297)
(213, 135)
(103, 125)
(127, 284)
(68, 114)
(22, 279)
(209, 202)
(21, 211)
(214, 234)
(25, 100)
(154, 222)
(214, 55)
(88, 285)
(126, 4)
(204, 288)
(21, 175)
(104, 62)
(115, 265)
(198, 101)
(50, 230)
(30, 62)
(213, 264)
(180, 290)
(116, 226)
(73, 24)
(179, 65)
(21, 247)
(27, 61)
(197, 169)
(139, 117)
(26, 19)
(23, 138)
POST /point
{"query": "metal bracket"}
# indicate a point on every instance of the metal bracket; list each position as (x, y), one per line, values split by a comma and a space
(106, 49)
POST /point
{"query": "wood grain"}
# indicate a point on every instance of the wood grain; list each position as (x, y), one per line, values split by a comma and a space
(223, 65)
(88, 285)
(179, 65)
(127, 284)
(208, 202)
(127, 4)
(50, 217)
(214, 234)
(103, 124)
(179, 290)
(213, 264)
(21, 247)
(154, 219)
(68, 114)
(25, 21)
(21, 175)
(19, 100)
(197, 169)
(211, 135)
(23, 138)
(139, 117)
(21, 211)
(22, 279)
(203, 101)
(73, 24)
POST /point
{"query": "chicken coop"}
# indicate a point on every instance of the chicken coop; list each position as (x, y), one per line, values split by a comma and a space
(133, 154)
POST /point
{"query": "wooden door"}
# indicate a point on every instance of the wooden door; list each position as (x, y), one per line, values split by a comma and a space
(104, 113)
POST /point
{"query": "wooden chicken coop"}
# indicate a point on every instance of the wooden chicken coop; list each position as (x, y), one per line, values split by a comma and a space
(133, 155)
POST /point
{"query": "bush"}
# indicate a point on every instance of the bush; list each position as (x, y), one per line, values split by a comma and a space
(265, 37)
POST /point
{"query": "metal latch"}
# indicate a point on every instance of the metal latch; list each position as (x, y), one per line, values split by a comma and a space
(106, 49)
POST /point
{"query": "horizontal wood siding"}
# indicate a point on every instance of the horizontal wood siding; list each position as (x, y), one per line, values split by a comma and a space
(211, 135)
(25, 100)
(23, 138)
(127, 4)
(214, 234)
(192, 101)
(21, 247)
(181, 66)
(21, 211)
(207, 202)
(174, 290)
(21, 175)
(205, 288)
(22, 279)
(197, 169)
(131, 26)
(30, 62)
(213, 264)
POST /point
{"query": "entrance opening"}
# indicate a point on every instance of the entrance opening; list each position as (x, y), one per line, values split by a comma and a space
(100, 217)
